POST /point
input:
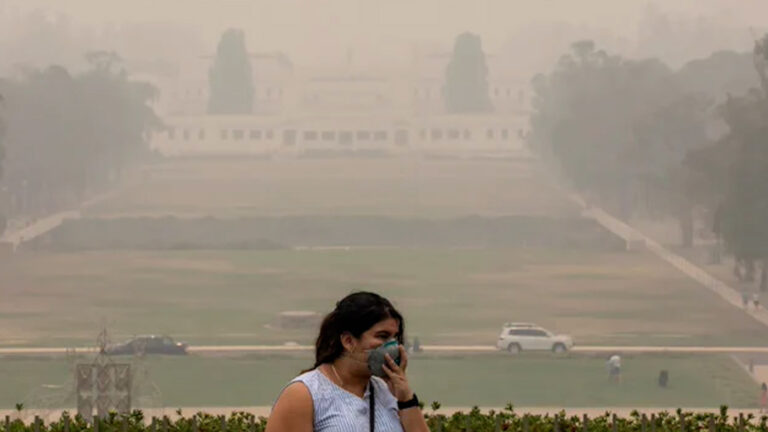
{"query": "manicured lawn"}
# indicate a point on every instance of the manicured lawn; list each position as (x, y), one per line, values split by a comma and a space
(414, 186)
(489, 380)
(448, 296)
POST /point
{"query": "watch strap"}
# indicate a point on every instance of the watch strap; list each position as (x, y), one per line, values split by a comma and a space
(414, 401)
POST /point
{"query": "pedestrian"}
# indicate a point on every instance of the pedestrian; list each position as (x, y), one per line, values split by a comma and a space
(745, 299)
(614, 369)
(763, 398)
(756, 300)
(416, 345)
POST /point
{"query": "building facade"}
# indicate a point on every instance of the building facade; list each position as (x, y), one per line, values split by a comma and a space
(298, 111)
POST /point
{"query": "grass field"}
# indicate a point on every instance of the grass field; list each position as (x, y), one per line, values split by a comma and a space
(492, 380)
(459, 296)
(384, 187)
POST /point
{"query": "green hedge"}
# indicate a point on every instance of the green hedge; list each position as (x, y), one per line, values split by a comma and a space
(475, 420)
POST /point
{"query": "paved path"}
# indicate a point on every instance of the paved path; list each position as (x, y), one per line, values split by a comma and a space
(466, 349)
(39, 227)
(630, 234)
(43, 225)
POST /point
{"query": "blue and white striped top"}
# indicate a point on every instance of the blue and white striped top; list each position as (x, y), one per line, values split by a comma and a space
(337, 410)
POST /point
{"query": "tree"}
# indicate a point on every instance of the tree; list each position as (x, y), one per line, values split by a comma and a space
(618, 130)
(745, 207)
(466, 77)
(57, 154)
(3, 210)
(230, 77)
(735, 172)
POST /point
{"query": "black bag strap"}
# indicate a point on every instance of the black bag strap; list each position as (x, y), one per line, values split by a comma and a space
(372, 397)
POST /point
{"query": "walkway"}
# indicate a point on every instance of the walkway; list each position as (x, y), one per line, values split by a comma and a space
(631, 235)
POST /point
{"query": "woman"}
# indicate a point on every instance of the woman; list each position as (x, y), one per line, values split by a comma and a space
(334, 396)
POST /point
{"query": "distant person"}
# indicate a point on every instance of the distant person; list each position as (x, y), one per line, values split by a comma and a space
(614, 369)
(416, 345)
(763, 398)
(745, 299)
(335, 394)
(663, 378)
(756, 300)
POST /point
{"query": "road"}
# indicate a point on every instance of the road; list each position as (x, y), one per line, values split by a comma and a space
(467, 349)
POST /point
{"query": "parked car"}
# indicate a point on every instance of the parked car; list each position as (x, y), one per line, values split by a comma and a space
(150, 344)
(517, 337)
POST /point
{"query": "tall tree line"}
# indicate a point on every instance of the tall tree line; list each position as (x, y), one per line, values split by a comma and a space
(70, 134)
(639, 137)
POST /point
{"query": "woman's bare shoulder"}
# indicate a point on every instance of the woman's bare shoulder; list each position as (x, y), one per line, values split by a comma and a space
(293, 410)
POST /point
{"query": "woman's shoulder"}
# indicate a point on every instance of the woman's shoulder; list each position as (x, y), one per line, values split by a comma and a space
(307, 376)
(315, 382)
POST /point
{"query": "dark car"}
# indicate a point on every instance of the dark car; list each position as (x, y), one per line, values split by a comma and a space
(151, 344)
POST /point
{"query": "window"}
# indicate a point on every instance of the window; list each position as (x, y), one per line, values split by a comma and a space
(467, 135)
(345, 137)
(255, 134)
(537, 333)
(310, 135)
(289, 137)
(453, 134)
(401, 137)
(437, 134)
(363, 135)
(154, 343)
(201, 134)
(238, 134)
(504, 134)
(171, 133)
(185, 134)
(423, 134)
(224, 134)
(489, 134)
(328, 135)
(270, 134)
(380, 135)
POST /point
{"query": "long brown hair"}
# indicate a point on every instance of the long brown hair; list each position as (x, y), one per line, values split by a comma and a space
(355, 313)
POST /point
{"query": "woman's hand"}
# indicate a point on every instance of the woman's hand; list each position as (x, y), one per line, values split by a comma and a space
(396, 379)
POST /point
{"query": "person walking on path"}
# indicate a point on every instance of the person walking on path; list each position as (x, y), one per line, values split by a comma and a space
(614, 369)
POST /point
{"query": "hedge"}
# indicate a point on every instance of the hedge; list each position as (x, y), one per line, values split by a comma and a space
(474, 420)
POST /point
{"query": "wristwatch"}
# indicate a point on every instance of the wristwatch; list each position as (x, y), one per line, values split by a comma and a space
(414, 401)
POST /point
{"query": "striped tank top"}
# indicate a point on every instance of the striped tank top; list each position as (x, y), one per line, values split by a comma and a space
(337, 410)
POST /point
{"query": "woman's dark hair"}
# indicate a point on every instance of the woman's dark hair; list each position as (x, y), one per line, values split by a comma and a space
(355, 313)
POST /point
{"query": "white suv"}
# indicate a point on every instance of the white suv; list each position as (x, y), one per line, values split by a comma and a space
(517, 337)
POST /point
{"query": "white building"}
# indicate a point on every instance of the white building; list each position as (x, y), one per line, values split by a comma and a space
(298, 111)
